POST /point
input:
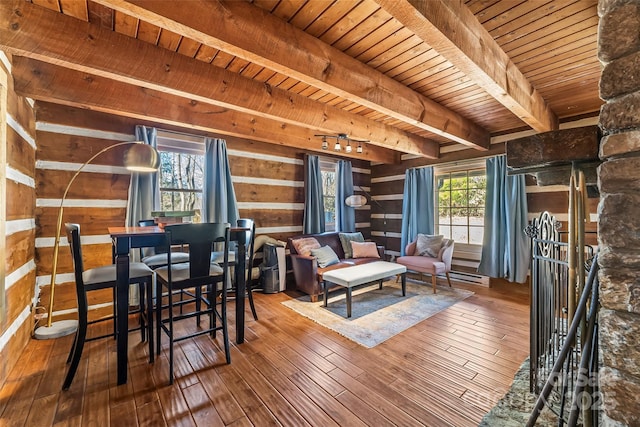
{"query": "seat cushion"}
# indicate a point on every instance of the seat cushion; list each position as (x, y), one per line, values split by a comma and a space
(158, 260)
(422, 264)
(107, 273)
(180, 272)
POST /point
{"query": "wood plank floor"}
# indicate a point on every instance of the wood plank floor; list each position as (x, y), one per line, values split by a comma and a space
(448, 370)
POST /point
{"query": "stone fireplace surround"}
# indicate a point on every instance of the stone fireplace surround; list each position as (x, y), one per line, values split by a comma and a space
(619, 211)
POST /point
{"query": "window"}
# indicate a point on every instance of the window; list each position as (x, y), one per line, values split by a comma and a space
(329, 195)
(460, 205)
(181, 172)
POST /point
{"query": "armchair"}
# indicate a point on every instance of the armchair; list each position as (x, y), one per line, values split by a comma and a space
(425, 264)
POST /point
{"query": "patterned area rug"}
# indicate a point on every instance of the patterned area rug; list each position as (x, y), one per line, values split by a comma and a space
(377, 315)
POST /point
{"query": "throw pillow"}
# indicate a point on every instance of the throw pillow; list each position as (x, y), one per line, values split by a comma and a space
(325, 256)
(427, 245)
(365, 250)
(346, 239)
(304, 245)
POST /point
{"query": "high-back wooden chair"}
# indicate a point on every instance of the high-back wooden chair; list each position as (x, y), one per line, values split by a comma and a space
(206, 277)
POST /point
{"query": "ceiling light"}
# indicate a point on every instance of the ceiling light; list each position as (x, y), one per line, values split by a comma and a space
(340, 137)
(347, 148)
(337, 146)
(359, 148)
(325, 144)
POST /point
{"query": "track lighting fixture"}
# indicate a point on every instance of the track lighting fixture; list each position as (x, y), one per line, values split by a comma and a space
(338, 146)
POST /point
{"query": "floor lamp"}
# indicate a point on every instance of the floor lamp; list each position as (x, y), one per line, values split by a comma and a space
(358, 200)
(140, 157)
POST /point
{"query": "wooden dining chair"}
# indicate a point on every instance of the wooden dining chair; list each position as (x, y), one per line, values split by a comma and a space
(104, 278)
(250, 237)
(200, 273)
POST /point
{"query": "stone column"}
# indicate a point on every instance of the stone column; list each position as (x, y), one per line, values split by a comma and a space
(619, 211)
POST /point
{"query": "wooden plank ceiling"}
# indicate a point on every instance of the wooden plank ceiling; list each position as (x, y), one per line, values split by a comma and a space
(408, 76)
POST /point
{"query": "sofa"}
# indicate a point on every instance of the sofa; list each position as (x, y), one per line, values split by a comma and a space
(440, 264)
(307, 273)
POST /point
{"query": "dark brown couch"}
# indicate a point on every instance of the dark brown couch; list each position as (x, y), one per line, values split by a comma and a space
(305, 268)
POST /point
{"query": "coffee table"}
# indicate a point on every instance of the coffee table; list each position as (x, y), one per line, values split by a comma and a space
(350, 277)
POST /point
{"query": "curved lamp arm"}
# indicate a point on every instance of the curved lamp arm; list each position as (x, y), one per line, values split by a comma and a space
(140, 158)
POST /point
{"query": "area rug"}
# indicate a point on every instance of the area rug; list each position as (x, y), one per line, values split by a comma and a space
(514, 409)
(378, 314)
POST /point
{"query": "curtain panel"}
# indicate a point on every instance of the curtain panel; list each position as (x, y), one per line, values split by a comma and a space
(218, 196)
(417, 205)
(345, 215)
(505, 247)
(313, 221)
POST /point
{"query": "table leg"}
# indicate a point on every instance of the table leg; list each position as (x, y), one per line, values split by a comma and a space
(404, 284)
(326, 292)
(241, 288)
(122, 304)
(348, 302)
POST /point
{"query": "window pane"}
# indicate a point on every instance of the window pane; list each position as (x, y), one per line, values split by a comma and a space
(477, 179)
(181, 201)
(459, 180)
(443, 183)
(476, 217)
(475, 235)
(477, 197)
(445, 230)
(459, 198)
(444, 216)
(460, 234)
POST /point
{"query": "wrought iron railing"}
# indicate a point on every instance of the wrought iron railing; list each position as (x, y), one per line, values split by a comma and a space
(573, 376)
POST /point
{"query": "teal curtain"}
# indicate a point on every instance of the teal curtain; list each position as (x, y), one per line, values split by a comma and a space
(218, 196)
(345, 215)
(144, 189)
(505, 247)
(417, 205)
(313, 221)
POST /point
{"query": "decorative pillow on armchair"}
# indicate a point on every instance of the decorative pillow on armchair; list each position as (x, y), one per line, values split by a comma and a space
(346, 239)
(325, 256)
(304, 245)
(427, 245)
(365, 250)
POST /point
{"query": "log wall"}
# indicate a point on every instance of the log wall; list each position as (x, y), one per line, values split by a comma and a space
(388, 186)
(268, 181)
(17, 160)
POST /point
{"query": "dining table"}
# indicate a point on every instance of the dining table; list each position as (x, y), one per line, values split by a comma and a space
(125, 239)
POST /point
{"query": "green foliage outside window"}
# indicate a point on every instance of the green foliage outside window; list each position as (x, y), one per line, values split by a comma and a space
(329, 197)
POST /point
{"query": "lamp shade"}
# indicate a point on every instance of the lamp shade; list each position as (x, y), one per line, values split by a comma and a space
(355, 201)
(141, 157)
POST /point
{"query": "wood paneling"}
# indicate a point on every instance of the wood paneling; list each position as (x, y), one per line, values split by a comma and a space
(18, 205)
(93, 220)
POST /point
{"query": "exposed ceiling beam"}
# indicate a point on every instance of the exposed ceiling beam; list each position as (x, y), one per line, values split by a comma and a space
(38, 33)
(455, 33)
(47, 82)
(255, 35)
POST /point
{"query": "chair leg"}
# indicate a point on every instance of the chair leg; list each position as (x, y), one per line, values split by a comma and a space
(142, 297)
(77, 348)
(433, 281)
(225, 329)
(149, 315)
(158, 316)
(448, 278)
(253, 307)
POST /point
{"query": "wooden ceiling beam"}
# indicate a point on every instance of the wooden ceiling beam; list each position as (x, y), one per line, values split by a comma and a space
(46, 82)
(453, 31)
(38, 33)
(255, 35)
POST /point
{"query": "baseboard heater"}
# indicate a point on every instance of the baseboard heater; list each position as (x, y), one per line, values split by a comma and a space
(470, 278)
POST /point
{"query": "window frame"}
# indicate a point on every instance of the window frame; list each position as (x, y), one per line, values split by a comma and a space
(172, 142)
(328, 166)
(452, 169)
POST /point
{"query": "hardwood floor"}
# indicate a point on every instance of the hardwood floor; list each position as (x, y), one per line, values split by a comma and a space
(449, 369)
